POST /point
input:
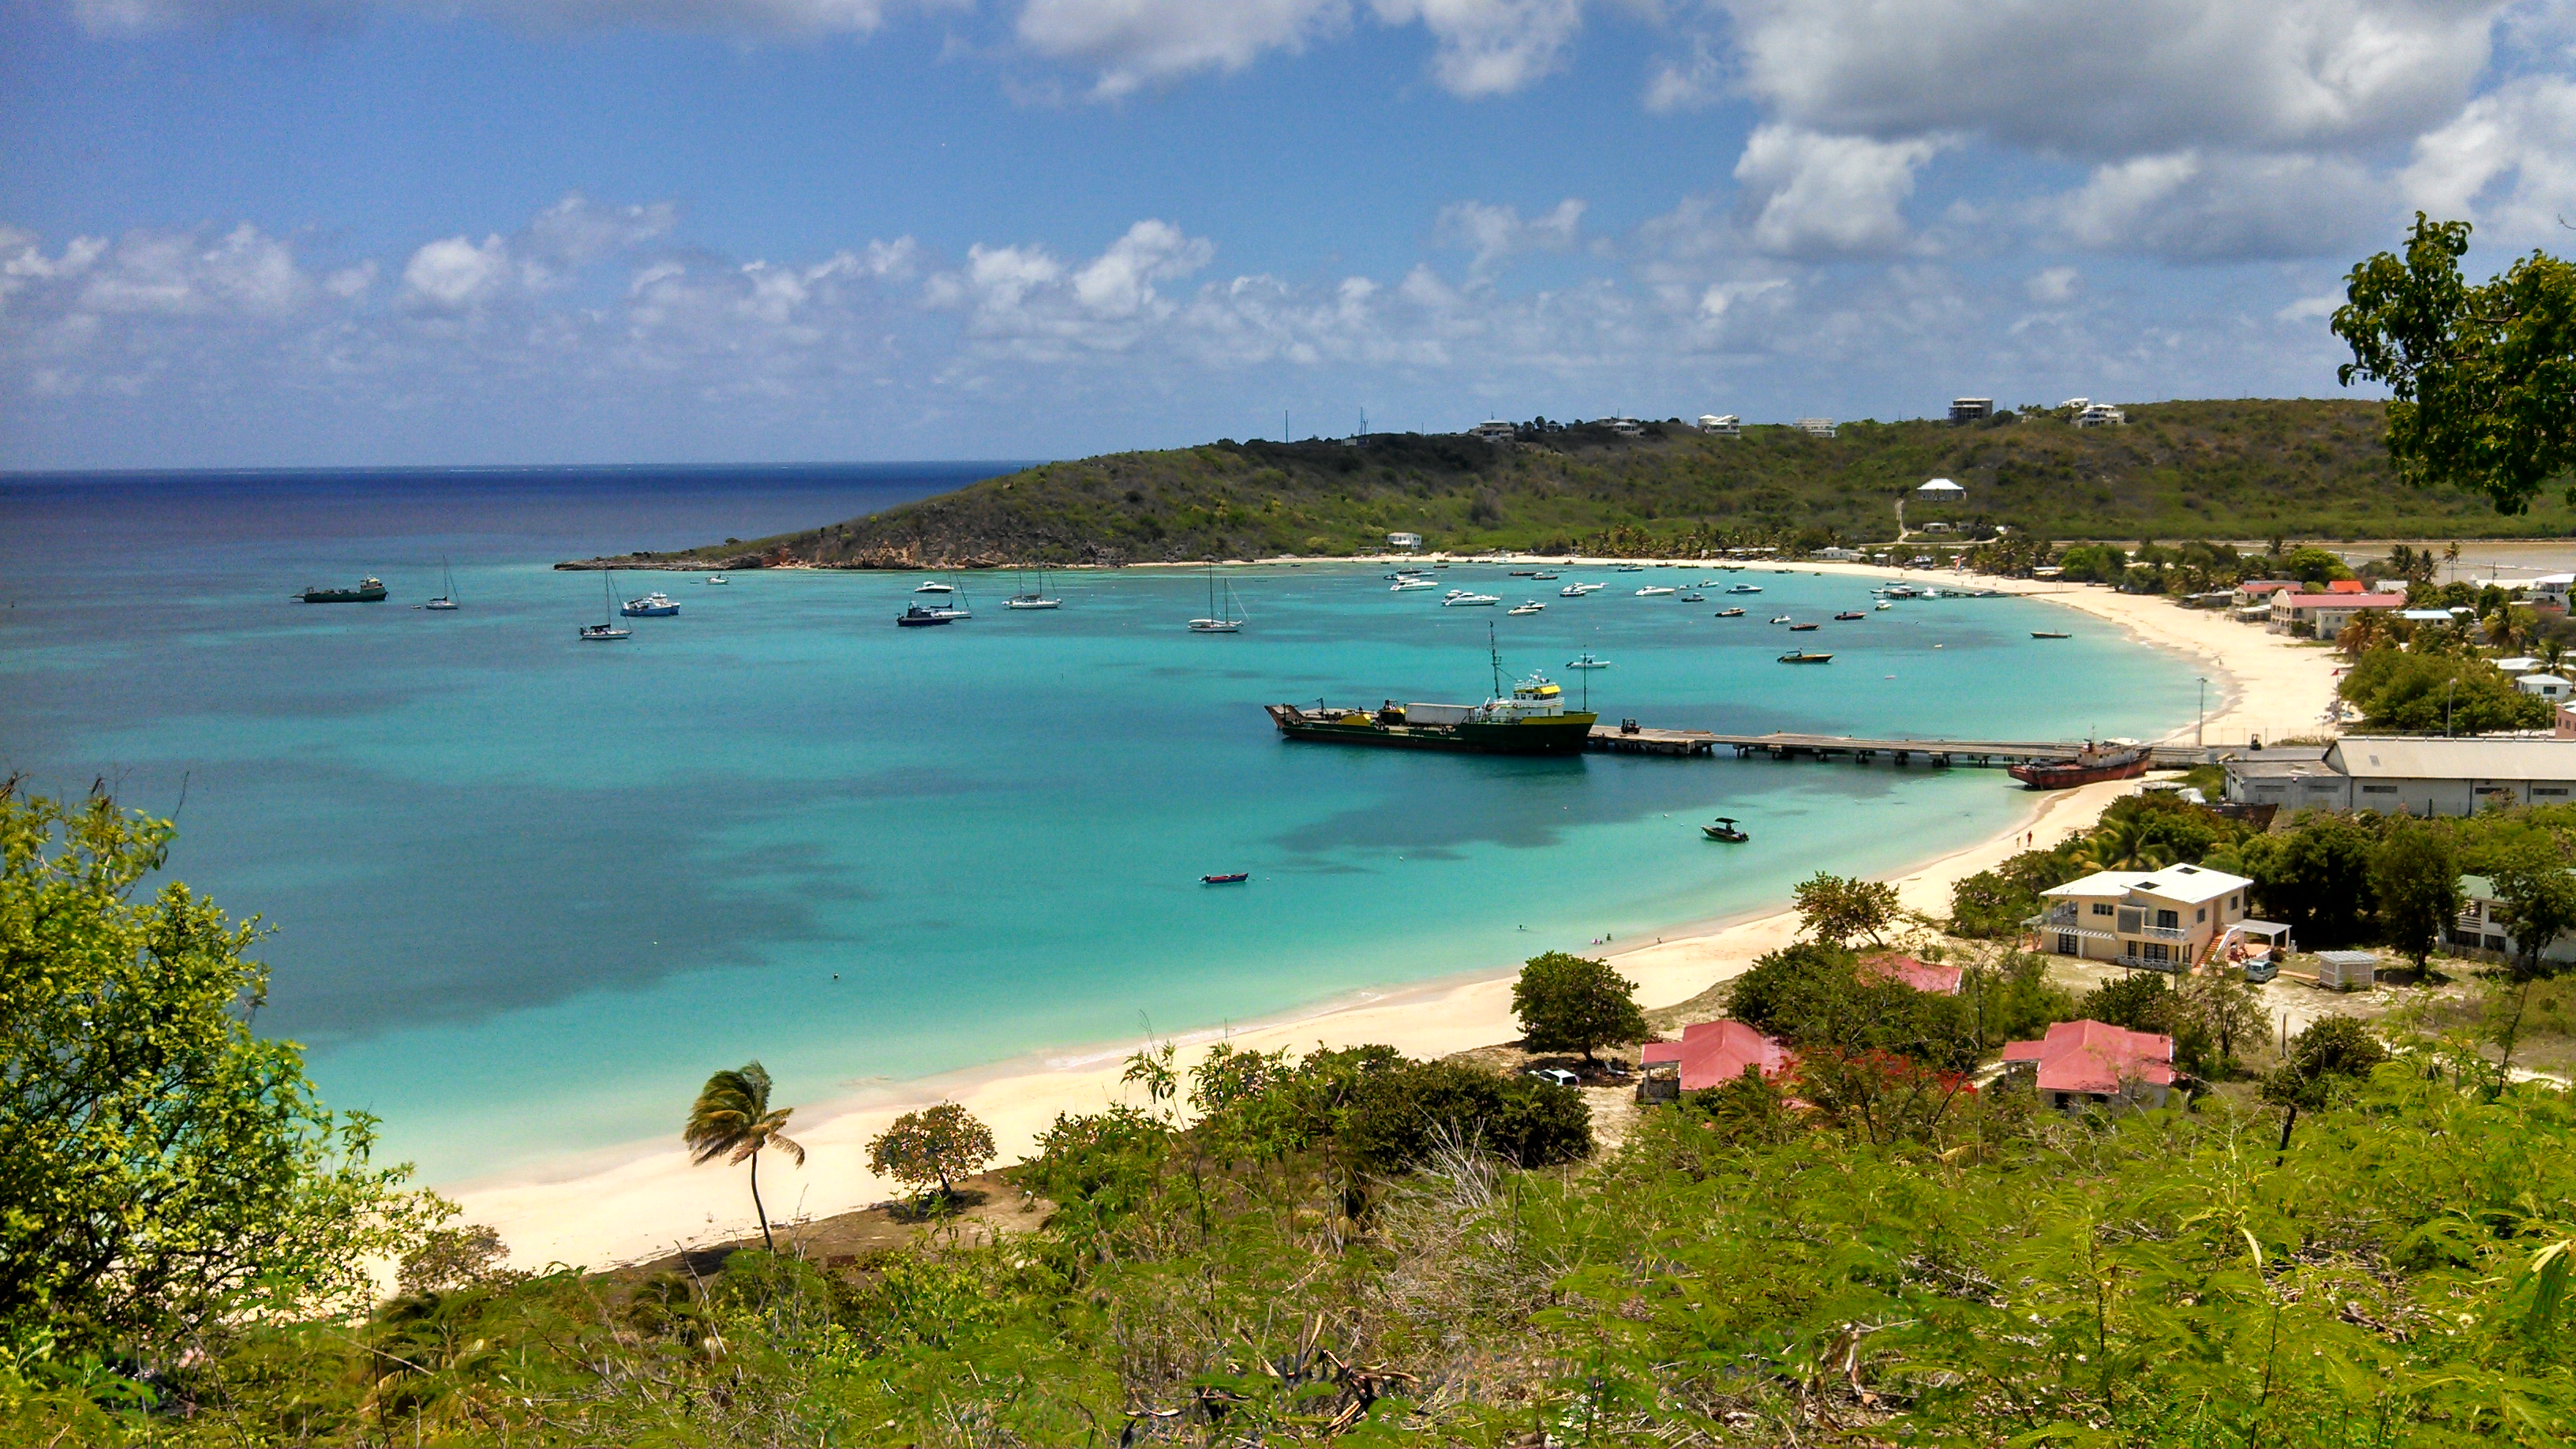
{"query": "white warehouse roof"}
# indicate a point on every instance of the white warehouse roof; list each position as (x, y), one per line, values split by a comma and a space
(2439, 759)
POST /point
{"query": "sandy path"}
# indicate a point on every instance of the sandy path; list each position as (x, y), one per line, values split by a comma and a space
(642, 1199)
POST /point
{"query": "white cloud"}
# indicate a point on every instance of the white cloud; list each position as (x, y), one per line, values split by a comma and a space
(2310, 309)
(1685, 84)
(1495, 234)
(1491, 47)
(1811, 194)
(1027, 300)
(2507, 161)
(2053, 285)
(778, 18)
(455, 272)
(2119, 78)
(1134, 43)
(2190, 206)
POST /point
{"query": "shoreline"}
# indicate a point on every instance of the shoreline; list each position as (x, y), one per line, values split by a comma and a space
(629, 1201)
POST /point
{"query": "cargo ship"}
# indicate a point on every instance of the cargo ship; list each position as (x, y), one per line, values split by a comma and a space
(371, 591)
(2114, 760)
(1532, 720)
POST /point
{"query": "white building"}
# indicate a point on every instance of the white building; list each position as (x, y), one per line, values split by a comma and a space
(1722, 425)
(2549, 591)
(2547, 686)
(2161, 918)
(1971, 409)
(1816, 427)
(2415, 774)
(1405, 541)
(2100, 415)
(2480, 926)
(1494, 430)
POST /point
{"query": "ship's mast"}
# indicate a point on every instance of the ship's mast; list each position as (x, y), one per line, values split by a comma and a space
(1496, 654)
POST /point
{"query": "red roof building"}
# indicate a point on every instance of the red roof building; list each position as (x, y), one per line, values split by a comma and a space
(1713, 1053)
(2091, 1063)
(2346, 586)
(1922, 976)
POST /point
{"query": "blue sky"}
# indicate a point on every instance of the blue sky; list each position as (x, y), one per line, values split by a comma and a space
(314, 232)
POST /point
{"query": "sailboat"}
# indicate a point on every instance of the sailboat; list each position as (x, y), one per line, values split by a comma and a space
(1218, 622)
(1028, 598)
(608, 597)
(447, 592)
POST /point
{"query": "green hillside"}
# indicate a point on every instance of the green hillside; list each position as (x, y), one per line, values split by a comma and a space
(2233, 470)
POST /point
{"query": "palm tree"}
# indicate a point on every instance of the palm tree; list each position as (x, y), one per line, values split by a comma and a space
(2123, 844)
(733, 1120)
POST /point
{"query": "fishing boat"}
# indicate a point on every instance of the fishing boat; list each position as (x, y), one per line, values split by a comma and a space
(1460, 599)
(1531, 720)
(1745, 589)
(1851, 614)
(1236, 878)
(1652, 591)
(446, 600)
(1521, 574)
(718, 580)
(1730, 613)
(1804, 628)
(2049, 634)
(608, 631)
(1218, 621)
(1724, 828)
(1028, 598)
(2109, 760)
(368, 591)
(1528, 606)
(918, 617)
(1801, 656)
(655, 605)
(1586, 661)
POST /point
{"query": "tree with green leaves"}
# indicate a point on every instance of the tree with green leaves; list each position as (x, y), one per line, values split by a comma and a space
(732, 1119)
(2314, 877)
(2481, 378)
(164, 1170)
(2535, 902)
(2415, 874)
(2335, 1050)
(1837, 910)
(931, 1148)
(1575, 1003)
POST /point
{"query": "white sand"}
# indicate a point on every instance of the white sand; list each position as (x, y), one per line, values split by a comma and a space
(641, 1200)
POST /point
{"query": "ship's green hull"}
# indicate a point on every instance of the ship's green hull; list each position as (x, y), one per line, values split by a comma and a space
(1564, 734)
(342, 596)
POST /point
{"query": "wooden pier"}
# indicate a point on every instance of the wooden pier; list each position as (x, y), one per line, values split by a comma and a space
(1629, 738)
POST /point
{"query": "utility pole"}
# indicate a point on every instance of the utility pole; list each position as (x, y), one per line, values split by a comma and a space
(2447, 686)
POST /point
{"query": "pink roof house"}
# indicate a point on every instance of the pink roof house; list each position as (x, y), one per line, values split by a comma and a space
(1922, 976)
(2090, 1063)
(1713, 1053)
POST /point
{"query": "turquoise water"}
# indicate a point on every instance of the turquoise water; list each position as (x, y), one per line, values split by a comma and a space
(528, 891)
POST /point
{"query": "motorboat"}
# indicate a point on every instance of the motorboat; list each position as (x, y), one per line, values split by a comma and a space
(934, 587)
(1530, 606)
(1849, 614)
(1694, 596)
(1883, 606)
(1801, 656)
(1783, 619)
(2049, 634)
(1463, 600)
(1804, 628)
(1724, 828)
(1586, 661)
(1400, 585)
(918, 617)
(1234, 878)
(1631, 568)
(655, 605)
(1653, 591)
(1745, 589)
(1730, 613)
(718, 580)
(1542, 577)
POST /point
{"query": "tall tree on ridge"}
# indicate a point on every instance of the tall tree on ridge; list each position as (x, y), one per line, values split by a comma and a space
(732, 1119)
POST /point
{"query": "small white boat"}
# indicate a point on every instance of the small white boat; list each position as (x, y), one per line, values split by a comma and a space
(1218, 621)
(1543, 577)
(1783, 619)
(1028, 598)
(1884, 604)
(1586, 661)
(599, 632)
(718, 580)
(1530, 607)
(1470, 601)
(934, 587)
(655, 605)
(1694, 597)
(1745, 589)
(1632, 568)
(1400, 585)
(1652, 591)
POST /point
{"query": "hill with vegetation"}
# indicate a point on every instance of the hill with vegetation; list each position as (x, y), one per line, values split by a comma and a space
(2253, 469)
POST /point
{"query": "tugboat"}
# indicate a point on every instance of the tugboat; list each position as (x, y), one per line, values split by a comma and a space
(1531, 720)
(368, 591)
(1725, 829)
(2110, 760)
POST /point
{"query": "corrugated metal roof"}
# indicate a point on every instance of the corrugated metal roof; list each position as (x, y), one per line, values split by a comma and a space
(2417, 758)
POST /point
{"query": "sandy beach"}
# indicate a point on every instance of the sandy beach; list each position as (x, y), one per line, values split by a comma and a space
(633, 1202)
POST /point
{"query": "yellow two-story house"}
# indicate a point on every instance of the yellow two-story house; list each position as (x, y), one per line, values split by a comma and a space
(2162, 918)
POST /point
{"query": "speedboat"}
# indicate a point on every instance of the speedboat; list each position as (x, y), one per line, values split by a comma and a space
(1801, 656)
(1694, 597)
(1400, 585)
(1631, 568)
(1783, 619)
(1528, 606)
(934, 587)
(1730, 613)
(1652, 591)
(1725, 828)
(655, 605)
(1883, 605)
(1542, 577)
(918, 617)
(1851, 614)
(718, 580)
(1745, 589)
(1804, 628)
(1463, 600)
(1586, 661)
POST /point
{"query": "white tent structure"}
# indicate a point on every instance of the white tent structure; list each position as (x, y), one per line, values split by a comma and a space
(1941, 490)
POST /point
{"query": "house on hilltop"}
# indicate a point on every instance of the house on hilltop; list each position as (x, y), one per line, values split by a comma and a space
(2082, 1064)
(2165, 919)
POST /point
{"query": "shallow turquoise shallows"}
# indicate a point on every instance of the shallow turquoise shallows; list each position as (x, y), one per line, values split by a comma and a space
(527, 891)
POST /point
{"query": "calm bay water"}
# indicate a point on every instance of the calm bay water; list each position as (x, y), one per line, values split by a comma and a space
(527, 892)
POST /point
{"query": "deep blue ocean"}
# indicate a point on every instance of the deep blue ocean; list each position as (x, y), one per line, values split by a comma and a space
(525, 892)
